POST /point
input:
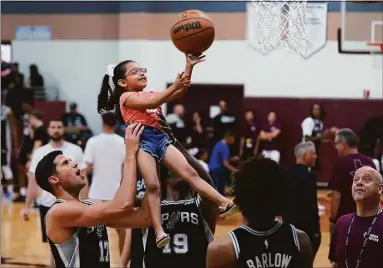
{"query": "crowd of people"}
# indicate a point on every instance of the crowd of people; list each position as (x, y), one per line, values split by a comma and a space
(162, 185)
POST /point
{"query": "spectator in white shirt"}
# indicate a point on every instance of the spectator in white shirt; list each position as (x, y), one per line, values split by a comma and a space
(177, 123)
(44, 199)
(201, 155)
(313, 129)
(104, 157)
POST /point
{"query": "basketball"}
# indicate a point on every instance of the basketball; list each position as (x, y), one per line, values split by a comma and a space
(193, 32)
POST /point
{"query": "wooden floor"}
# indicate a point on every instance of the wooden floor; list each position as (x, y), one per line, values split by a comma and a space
(21, 244)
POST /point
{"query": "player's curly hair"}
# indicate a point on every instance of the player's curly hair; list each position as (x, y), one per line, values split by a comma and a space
(259, 189)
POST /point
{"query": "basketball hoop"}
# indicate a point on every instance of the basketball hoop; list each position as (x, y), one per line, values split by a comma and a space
(377, 55)
(278, 24)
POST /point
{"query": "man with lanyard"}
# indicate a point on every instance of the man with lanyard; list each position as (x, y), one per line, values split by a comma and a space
(357, 241)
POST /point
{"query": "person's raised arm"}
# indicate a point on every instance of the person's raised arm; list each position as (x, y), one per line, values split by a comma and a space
(134, 101)
(191, 61)
(140, 218)
(76, 214)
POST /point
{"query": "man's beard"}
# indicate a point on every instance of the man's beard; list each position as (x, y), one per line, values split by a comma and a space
(358, 197)
(56, 138)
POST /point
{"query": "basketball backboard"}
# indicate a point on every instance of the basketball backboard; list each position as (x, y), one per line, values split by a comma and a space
(361, 24)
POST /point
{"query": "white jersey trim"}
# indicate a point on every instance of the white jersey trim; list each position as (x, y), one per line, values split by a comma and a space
(66, 250)
(234, 239)
(262, 233)
(72, 251)
(186, 201)
(295, 237)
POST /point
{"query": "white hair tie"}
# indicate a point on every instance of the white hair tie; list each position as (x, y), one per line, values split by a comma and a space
(110, 73)
(110, 70)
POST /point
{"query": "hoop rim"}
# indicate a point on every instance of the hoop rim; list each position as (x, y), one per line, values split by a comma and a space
(373, 44)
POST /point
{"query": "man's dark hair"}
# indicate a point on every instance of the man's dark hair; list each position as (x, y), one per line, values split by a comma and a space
(349, 137)
(38, 114)
(57, 119)
(109, 119)
(46, 168)
(260, 188)
(230, 133)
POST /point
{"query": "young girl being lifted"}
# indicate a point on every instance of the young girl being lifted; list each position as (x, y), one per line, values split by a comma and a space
(122, 90)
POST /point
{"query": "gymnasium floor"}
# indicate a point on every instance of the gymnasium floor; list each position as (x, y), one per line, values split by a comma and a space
(21, 244)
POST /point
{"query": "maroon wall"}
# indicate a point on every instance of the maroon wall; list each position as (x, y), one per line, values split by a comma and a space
(291, 111)
(50, 109)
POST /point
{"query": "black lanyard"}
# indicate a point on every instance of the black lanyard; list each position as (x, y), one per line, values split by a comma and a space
(359, 260)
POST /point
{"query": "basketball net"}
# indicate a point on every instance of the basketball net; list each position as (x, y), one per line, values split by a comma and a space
(275, 24)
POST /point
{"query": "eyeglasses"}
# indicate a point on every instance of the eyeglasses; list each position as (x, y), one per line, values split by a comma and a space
(136, 71)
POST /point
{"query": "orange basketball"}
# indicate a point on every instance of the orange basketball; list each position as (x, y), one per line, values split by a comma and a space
(193, 32)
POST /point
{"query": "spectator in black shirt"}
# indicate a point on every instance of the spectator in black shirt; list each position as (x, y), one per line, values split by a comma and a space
(15, 92)
(302, 203)
(5, 75)
(35, 78)
(40, 136)
(223, 122)
(16, 78)
(76, 127)
(198, 133)
(248, 137)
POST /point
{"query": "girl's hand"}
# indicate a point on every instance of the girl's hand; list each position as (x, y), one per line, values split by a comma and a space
(182, 81)
(192, 60)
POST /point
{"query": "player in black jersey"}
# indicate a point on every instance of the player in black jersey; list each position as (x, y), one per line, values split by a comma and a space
(76, 229)
(261, 241)
(184, 221)
(209, 209)
(134, 248)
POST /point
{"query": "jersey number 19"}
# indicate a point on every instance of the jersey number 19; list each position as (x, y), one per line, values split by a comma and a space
(178, 245)
(104, 251)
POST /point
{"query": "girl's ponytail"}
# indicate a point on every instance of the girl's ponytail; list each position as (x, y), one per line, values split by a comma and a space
(110, 93)
(103, 96)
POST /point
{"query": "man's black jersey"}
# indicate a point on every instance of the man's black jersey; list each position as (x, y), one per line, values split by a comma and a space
(277, 247)
(189, 237)
(87, 248)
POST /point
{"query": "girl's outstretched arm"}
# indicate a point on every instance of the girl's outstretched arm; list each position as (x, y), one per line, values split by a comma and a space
(134, 101)
(191, 61)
